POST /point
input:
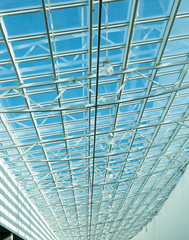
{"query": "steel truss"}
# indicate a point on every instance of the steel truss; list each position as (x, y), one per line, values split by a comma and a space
(98, 155)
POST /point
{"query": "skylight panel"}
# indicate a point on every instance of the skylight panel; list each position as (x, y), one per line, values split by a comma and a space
(149, 31)
(149, 9)
(25, 24)
(20, 4)
(78, 21)
(180, 27)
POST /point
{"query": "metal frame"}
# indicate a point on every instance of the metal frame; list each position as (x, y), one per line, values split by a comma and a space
(98, 156)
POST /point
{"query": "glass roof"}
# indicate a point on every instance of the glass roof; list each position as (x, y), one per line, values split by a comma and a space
(98, 155)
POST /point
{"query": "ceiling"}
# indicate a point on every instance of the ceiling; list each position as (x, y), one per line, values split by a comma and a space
(97, 154)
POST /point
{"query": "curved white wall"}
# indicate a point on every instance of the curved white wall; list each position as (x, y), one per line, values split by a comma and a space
(17, 213)
(172, 221)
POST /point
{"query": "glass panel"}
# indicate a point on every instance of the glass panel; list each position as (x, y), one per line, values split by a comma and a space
(176, 47)
(153, 8)
(35, 67)
(3, 53)
(183, 8)
(180, 27)
(71, 42)
(63, 18)
(31, 48)
(144, 51)
(25, 24)
(149, 31)
(110, 37)
(7, 71)
(19, 4)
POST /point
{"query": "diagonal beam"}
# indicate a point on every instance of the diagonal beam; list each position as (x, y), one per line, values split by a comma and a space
(80, 78)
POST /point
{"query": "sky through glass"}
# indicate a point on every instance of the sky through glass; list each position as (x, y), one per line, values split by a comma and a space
(96, 166)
